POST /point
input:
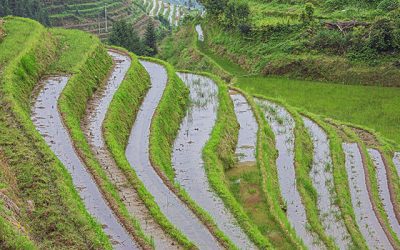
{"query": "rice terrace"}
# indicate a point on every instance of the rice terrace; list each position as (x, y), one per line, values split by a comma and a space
(199, 124)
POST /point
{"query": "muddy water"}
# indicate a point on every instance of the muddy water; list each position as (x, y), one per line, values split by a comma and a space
(137, 153)
(283, 127)
(383, 189)
(200, 33)
(322, 178)
(92, 127)
(247, 140)
(49, 123)
(187, 158)
(396, 161)
(365, 216)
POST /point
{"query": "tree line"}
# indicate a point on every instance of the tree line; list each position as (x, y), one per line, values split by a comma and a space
(124, 35)
(33, 9)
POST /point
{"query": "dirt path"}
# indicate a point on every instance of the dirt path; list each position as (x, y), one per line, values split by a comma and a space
(48, 121)
(322, 177)
(92, 126)
(396, 161)
(366, 218)
(137, 153)
(283, 126)
(187, 157)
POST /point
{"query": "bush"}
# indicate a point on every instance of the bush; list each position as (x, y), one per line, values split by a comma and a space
(388, 5)
(384, 35)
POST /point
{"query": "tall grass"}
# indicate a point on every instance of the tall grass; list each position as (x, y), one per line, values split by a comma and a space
(373, 107)
(59, 218)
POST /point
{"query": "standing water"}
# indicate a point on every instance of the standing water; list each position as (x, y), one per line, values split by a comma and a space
(247, 140)
(322, 178)
(383, 188)
(137, 153)
(49, 123)
(365, 215)
(283, 126)
(187, 157)
(200, 33)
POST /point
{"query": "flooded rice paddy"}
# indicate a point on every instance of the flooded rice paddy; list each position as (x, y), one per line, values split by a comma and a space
(322, 178)
(200, 33)
(367, 221)
(247, 140)
(48, 121)
(137, 153)
(95, 116)
(283, 126)
(187, 158)
(383, 188)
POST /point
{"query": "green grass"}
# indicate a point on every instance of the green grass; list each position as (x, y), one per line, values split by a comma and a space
(373, 107)
(59, 219)
(117, 128)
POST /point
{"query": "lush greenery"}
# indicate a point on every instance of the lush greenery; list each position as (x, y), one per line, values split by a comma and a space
(25, 8)
(373, 107)
(55, 216)
(309, 41)
(125, 35)
(117, 128)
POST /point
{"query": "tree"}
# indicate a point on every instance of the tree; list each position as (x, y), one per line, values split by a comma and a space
(124, 35)
(150, 39)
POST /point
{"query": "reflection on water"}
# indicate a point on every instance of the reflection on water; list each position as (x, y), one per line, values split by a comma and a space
(365, 216)
(187, 158)
(283, 126)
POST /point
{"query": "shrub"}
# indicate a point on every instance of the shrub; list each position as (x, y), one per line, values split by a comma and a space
(384, 36)
(388, 5)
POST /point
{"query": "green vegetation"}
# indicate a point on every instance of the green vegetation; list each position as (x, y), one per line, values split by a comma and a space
(117, 127)
(219, 155)
(373, 107)
(55, 215)
(181, 51)
(330, 41)
(267, 213)
(25, 8)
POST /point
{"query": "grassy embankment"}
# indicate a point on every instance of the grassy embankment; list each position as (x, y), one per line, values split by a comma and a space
(182, 51)
(117, 128)
(259, 191)
(371, 179)
(164, 129)
(86, 58)
(51, 210)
